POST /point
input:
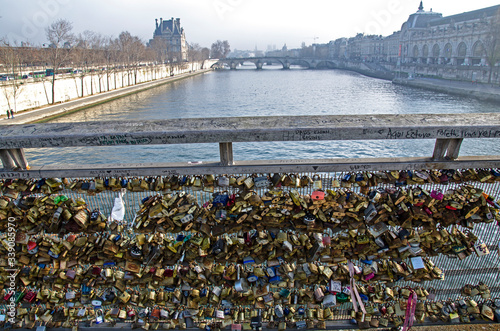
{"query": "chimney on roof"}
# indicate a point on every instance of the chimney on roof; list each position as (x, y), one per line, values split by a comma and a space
(156, 20)
(421, 7)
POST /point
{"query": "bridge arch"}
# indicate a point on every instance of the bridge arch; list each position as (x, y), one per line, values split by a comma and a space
(302, 62)
(326, 64)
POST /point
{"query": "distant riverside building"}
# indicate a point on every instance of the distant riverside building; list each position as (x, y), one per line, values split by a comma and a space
(429, 38)
(173, 37)
(426, 40)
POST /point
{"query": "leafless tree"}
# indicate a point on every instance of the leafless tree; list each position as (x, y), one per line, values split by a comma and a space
(197, 53)
(11, 56)
(220, 49)
(83, 56)
(60, 37)
(160, 47)
(125, 42)
(205, 53)
(132, 51)
(137, 56)
(110, 54)
(98, 58)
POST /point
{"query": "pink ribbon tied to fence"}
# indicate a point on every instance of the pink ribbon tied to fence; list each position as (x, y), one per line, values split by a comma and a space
(410, 311)
(355, 299)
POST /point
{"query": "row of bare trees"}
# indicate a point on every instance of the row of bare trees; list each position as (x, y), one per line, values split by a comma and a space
(88, 54)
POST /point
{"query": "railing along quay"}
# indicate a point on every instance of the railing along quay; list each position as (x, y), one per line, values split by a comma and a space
(449, 130)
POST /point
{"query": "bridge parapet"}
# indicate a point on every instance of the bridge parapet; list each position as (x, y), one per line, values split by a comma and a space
(286, 62)
(447, 130)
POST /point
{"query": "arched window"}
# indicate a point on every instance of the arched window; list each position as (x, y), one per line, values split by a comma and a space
(425, 51)
(478, 49)
(448, 50)
(478, 52)
(462, 50)
(435, 50)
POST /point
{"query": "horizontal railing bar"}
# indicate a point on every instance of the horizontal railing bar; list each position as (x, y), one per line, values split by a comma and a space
(249, 129)
(248, 167)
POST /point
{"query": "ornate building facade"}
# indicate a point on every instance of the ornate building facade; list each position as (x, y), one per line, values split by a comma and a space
(171, 35)
(455, 47)
(430, 38)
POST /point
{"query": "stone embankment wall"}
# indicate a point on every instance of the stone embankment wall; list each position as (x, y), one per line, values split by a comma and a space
(37, 92)
(481, 92)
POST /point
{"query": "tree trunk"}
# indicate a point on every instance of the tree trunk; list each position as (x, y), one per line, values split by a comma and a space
(82, 77)
(91, 85)
(53, 86)
(490, 73)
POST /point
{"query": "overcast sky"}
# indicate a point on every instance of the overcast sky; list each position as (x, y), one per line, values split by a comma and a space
(244, 23)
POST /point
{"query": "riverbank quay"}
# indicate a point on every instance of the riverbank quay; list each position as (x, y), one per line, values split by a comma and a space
(483, 92)
(46, 113)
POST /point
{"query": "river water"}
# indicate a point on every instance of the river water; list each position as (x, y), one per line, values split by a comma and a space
(248, 92)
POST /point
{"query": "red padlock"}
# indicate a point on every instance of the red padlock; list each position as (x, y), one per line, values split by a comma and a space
(317, 195)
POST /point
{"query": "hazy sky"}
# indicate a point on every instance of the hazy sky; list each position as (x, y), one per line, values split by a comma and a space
(244, 23)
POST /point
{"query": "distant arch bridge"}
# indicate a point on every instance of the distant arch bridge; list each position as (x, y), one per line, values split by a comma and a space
(286, 62)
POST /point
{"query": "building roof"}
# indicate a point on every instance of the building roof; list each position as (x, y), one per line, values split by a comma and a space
(172, 26)
(422, 19)
(467, 16)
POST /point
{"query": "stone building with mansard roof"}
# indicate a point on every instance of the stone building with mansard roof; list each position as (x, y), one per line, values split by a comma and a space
(429, 38)
(175, 39)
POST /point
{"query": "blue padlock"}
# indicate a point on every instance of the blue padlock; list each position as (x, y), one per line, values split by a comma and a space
(85, 290)
(40, 183)
(52, 254)
(275, 279)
